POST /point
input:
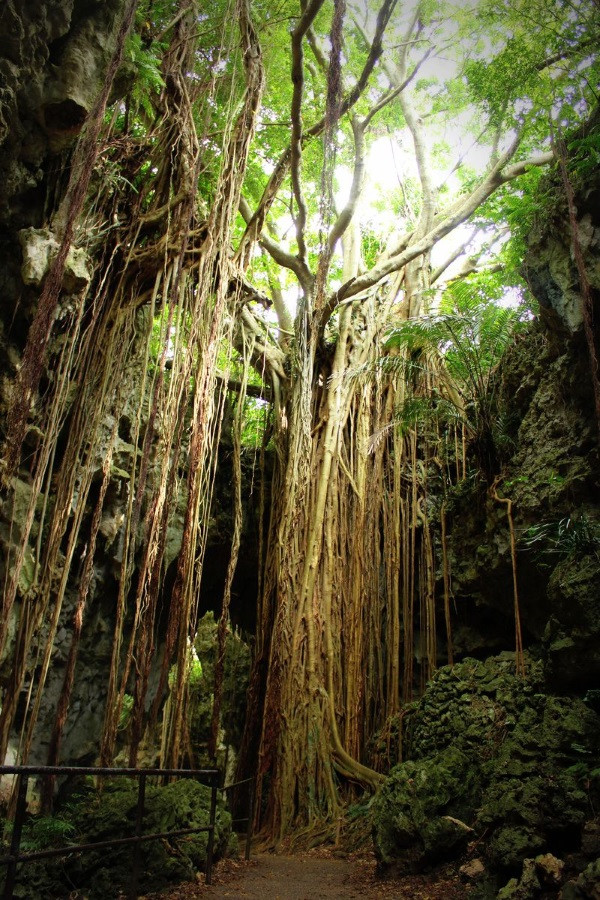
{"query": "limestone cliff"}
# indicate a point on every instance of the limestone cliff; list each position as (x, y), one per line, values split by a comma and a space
(551, 471)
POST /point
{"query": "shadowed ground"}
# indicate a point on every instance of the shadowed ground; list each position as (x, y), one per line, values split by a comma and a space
(314, 876)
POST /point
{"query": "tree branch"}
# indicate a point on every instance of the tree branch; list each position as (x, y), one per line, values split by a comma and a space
(346, 214)
(519, 168)
(316, 50)
(296, 116)
(395, 92)
(259, 391)
(273, 355)
(565, 54)
(443, 224)
(281, 256)
(437, 273)
(284, 316)
(375, 51)
(256, 223)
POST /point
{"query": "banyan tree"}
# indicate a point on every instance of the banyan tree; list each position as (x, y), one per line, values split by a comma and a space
(219, 200)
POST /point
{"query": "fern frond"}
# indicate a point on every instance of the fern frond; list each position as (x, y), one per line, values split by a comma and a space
(393, 365)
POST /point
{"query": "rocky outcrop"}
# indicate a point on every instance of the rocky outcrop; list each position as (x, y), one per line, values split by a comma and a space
(54, 56)
(550, 266)
(86, 714)
(586, 886)
(494, 767)
(83, 727)
(53, 60)
(552, 476)
(40, 247)
(550, 471)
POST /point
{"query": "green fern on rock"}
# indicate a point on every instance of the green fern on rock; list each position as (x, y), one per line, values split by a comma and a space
(460, 347)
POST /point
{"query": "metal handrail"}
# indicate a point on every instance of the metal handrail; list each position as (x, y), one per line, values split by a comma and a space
(211, 777)
(250, 819)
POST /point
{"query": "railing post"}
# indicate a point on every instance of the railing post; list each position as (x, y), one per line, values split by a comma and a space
(15, 841)
(139, 815)
(211, 824)
(250, 817)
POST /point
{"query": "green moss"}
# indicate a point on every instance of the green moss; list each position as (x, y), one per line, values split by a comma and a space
(235, 684)
(474, 702)
(411, 812)
(510, 845)
(524, 889)
(111, 814)
(587, 885)
(495, 752)
(572, 635)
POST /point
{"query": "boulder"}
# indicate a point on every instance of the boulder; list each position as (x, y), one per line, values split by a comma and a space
(494, 758)
(419, 815)
(527, 887)
(550, 870)
(474, 870)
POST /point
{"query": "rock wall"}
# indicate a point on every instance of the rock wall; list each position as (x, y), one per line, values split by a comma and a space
(53, 60)
(86, 713)
(551, 473)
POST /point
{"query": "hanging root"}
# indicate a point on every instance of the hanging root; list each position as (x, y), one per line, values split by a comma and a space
(519, 656)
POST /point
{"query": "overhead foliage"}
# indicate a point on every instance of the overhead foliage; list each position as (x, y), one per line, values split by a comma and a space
(460, 348)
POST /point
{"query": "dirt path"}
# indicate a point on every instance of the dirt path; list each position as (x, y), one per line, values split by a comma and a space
(313, 876)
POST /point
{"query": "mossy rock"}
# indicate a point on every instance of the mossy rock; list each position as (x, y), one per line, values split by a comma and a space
(525, 888)
(533, 800)
(476, 701)
(495, 752)
(235, 683)
(111, 814)
(572, 635)
(423, 811)
(586, 886)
